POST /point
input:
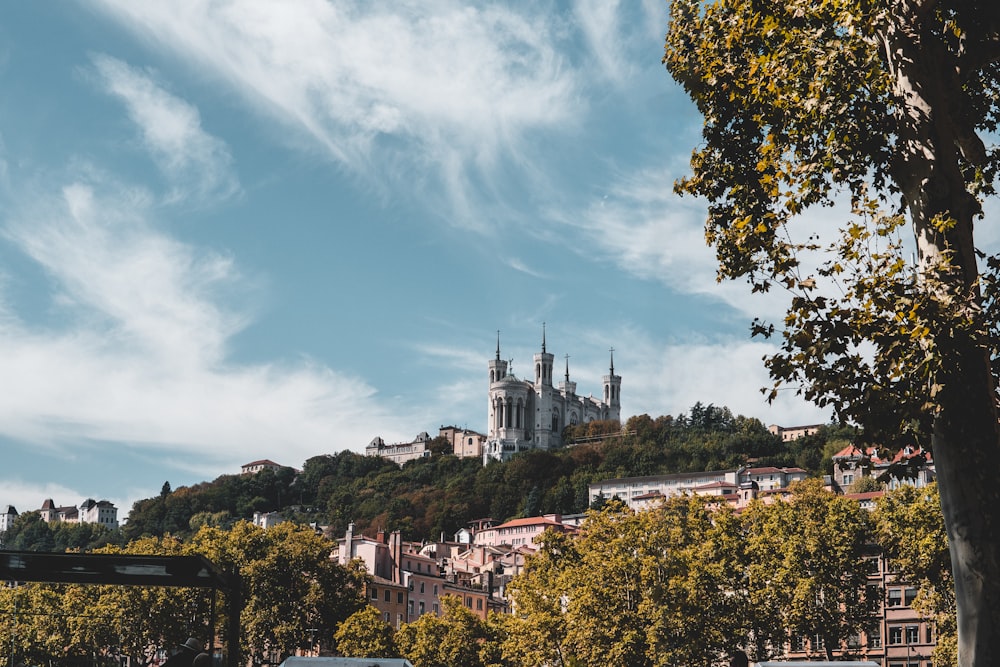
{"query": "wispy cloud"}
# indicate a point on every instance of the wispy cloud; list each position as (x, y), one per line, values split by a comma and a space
(141, 356)
(197, 164)
(435, 90)
(521, 267)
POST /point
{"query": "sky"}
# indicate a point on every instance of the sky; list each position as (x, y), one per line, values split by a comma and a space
(240, 229)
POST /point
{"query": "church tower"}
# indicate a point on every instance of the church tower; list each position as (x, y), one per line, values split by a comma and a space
(612, 392)
(548, 420)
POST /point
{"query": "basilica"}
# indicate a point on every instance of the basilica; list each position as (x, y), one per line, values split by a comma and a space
(531, 415)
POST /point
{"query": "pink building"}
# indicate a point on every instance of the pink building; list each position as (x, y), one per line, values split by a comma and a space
(520, 532)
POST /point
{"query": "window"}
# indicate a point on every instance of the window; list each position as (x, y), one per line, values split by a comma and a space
(468, 602)
(435, 589)
(399, 597)
(912, 634)
(479, 604)
(434, 608)
(797, 644)
(388, 596)
(909, 595)
(848, 478)
(374, 593)
(421, 587)
(896, 634)
(875, 639)
(895, 597)
(409, 609)
(386, 617)
(422, 608)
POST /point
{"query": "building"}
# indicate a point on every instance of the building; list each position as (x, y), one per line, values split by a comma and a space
(520, 532)
(267, 520)
(410, 579)
(787, 433)
(526, 414)
(465, 444)
(90, 511)
(737, 486)
(400, 452)
(852, 463)
(257, 466)
(7, 518)
(98, 511)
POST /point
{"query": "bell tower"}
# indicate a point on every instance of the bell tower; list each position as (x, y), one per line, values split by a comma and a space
(612, 392)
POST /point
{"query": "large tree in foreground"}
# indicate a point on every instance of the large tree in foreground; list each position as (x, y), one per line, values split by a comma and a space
(883, 104)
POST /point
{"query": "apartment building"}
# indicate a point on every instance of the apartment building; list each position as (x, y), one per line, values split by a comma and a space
(520, 532)
(737, 486)
(410, 579)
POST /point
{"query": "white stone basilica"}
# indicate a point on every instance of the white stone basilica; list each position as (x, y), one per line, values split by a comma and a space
(531, 415)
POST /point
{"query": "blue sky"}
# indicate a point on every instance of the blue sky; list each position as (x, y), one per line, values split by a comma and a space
(244, 229)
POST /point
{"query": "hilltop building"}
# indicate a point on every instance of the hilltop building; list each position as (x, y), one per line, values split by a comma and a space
(788, 433)
(7, 518)
(400, 452)
(89, 511)
(256, 466)
(525, 414)
(465, 444)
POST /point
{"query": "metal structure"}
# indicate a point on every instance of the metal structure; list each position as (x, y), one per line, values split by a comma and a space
(130, 570)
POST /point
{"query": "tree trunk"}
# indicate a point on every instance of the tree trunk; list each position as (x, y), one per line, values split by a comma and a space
(966, 434)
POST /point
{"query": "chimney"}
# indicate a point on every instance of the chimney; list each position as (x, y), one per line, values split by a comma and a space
(396, 557)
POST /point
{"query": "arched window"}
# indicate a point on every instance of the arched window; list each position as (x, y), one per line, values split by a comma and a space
(492, 378)
(507, 416)
(538, 371)
(519, 414)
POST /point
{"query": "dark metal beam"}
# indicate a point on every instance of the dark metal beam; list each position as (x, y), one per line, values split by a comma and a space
(131, 570)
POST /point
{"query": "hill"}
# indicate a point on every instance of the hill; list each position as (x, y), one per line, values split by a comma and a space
(431, 497)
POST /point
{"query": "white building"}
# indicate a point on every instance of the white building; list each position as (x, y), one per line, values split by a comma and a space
(7, 518)
(267, 520)
(527, 414)
(98, 511)
(400, 452)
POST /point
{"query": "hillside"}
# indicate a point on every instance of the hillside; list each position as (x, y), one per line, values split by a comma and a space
(429, 497)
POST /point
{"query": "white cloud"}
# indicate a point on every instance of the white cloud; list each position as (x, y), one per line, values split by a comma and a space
(144, 361)
(454, 86)
(197, 164)
(653, 234)
(661, 378)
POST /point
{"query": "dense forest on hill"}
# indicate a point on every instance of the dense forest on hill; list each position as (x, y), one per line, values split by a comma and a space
(429, 497)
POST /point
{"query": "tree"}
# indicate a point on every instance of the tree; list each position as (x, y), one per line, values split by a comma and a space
(879, 103)
(364, 634)
(911, 528)
(295, 594)
(451, 640)
(807, 571)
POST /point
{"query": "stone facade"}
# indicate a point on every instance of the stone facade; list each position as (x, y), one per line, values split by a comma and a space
(525, 414)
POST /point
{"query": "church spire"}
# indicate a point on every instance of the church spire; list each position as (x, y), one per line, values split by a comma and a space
(543, 337)
(498, 345)
(612, 361)
(567, 368)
